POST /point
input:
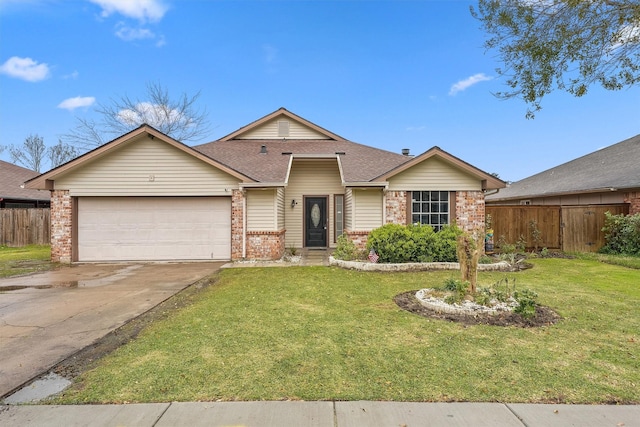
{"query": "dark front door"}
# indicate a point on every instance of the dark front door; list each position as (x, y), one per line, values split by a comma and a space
(315, 222)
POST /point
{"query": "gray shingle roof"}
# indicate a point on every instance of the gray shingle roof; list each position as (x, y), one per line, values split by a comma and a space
(12, 176)
(360, 163)
(615, 167)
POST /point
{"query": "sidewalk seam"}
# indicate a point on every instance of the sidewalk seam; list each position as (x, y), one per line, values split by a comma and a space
(162, 414)
(516, 415)
(335, 415)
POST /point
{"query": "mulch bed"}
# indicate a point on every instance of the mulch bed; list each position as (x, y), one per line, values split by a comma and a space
(544, 315)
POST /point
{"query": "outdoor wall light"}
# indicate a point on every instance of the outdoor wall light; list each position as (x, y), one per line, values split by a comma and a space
(293, 203)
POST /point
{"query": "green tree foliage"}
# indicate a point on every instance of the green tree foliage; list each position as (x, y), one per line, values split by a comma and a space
(622, 234)
(562, 44)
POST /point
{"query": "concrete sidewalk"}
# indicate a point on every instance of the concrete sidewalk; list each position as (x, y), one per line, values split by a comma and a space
(323, 414)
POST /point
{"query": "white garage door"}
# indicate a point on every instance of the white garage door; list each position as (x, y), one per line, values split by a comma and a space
(154, 228)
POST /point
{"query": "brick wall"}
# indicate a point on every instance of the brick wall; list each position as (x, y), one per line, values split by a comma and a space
(633, 198)
(61, 226)
(470, 210)
(265, 245)
(237, 216)
(359, 238)
(396, 207)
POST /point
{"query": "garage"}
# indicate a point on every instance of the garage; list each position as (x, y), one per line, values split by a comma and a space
(153, 228)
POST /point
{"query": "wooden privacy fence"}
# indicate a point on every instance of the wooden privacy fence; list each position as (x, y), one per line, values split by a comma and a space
(568, 228)
(20, 227)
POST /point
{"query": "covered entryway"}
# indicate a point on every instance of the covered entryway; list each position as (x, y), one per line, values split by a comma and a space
(154, 228)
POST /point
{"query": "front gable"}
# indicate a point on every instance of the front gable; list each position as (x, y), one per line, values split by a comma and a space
(438, 170)
(146, 167)
(282, 125)
(434, 174)
(141, 162)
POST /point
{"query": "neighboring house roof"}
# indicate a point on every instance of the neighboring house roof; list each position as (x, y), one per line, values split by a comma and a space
(12, 177)
(616, 167)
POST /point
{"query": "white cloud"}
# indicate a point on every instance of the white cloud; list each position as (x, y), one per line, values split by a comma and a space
(142, 10)
(152, 114)
(72, 76)
(128, 34)
(77, 102)
(468, 82)
(25, 69)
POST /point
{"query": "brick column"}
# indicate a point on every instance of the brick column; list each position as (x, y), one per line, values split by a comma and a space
(396, 207)
(61, 226)
(633, 198)
(237, 223)
(470, 210)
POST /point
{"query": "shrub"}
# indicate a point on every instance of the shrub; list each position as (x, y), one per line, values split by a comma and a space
(526, 299)
(622, 234)
(395, 243)
(346, 250)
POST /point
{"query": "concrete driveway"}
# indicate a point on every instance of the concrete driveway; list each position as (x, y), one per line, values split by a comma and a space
(46, 317)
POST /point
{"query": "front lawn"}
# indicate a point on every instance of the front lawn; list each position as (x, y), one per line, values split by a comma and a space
(24, 260)
(317, 333)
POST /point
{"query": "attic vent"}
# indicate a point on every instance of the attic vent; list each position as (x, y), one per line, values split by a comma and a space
(283, 128)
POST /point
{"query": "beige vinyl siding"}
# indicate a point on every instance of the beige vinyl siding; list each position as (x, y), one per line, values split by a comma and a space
(269, 130)
(146, 167)
(348, 209)
(261, 210)
(281, 203)
(310, 178)
(367, 209)
(434, 174)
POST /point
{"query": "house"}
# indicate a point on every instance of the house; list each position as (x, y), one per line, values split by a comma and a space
(277, 183)
(12, 195)
(608, 176)
(569, 201)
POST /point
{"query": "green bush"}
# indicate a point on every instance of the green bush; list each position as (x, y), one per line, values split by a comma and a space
(346, 249)
(395, 243)
(622, 234)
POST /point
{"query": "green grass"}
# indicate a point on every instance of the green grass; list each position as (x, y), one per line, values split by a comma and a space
(24, 260)
(623, 260)
(316, 333)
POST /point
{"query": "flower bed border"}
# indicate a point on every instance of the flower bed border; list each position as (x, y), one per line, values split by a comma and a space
(413, 266)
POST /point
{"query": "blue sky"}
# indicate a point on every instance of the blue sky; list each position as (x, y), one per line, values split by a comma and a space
(390, 74)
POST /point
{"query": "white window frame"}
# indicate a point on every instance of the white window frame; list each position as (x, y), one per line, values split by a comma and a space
(431, 208)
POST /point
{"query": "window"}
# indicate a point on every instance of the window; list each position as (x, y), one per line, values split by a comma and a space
(430, 208)
(339, 215)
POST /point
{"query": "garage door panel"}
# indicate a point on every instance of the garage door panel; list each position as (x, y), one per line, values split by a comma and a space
(153, 228)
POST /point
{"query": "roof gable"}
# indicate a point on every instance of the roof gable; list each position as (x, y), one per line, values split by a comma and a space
(282, 125)
(488, 181)
(44, 181)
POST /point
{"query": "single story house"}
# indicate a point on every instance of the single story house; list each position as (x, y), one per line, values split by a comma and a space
(12, 195)
(608, 176)
(276, 183)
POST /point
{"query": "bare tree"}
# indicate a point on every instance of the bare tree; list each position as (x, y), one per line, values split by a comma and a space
(61, 153)
(178, 118)
(562, 44)
(30, 154)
